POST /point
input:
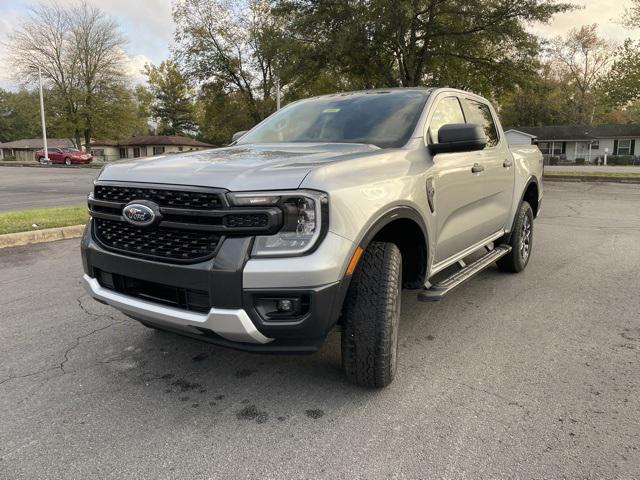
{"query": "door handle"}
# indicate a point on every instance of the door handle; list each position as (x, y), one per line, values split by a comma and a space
(507, 163)
(477, 168)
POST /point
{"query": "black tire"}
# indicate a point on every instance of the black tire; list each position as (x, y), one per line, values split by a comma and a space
(41, 160)
(371, 317)
(520, 240)
(67, 162)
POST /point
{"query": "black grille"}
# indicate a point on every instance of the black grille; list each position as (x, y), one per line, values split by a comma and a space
(246, 221)
(164, 198)
(183, 298)
(162, 243)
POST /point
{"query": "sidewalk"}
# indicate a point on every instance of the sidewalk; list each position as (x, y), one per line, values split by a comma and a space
(12, 163)
(578, 169)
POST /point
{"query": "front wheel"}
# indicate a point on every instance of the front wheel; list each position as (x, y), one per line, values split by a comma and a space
(520, 240)
(371, 317)
(67, 161)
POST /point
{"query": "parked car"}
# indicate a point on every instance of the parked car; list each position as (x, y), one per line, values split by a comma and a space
(66, 155)
(317, 217)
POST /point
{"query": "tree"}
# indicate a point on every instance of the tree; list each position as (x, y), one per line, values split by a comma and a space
(19, 115)
(173, 98)
(482, 45)
(581, 61)
(632, 15)
(622, 84)
(232, 45)
(539, 101)
(79, 50)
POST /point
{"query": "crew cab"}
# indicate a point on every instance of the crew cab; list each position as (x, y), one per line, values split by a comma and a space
(315, 220)
(66, 155)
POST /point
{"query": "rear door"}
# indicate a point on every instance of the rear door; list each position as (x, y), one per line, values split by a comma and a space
(497, 177)
(457, 192)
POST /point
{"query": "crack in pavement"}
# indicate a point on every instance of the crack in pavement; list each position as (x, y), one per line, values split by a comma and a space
(79, 339)
(488, 392)
(67, 352)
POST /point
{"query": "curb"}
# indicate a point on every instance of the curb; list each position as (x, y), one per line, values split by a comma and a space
(39, 165)
(590, 178)
(40, 236)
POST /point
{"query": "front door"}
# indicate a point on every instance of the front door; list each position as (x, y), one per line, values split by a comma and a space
(473, 190)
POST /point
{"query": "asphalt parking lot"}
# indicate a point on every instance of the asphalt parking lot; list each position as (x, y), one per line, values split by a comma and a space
(534, 375)
(23, 188)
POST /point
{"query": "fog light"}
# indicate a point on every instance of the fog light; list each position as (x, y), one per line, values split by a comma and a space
(285, 305)
(282, 308)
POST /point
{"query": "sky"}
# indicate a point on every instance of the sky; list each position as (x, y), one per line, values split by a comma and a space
(148, 26)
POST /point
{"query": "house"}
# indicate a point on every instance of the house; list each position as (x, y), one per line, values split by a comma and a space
(24, 150)
(571, 142)
(144, 146)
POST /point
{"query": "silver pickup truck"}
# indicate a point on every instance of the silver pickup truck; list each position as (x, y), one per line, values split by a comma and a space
(316, 218)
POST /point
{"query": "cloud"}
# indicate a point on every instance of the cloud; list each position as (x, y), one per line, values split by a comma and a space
(134, 67)
(606, 13)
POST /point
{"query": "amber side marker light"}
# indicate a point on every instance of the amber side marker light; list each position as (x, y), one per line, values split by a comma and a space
(354, 261)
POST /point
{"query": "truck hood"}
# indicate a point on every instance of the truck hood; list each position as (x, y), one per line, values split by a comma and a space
(242, 167)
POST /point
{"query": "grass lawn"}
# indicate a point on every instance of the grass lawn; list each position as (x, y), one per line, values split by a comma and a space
(22, 221)
(592, 174)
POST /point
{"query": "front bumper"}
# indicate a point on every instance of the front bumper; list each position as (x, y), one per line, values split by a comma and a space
(233, 318)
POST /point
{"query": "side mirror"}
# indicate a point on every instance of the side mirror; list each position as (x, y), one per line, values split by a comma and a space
(237, 135)
(459, 137)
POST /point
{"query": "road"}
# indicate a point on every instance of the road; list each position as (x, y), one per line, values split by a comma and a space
(23, 188)
(534, 375)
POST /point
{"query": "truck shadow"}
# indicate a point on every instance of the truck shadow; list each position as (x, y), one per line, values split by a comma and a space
(186, 375)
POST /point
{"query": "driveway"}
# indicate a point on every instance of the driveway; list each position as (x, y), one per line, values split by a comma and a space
(534, 375)
(23, 188)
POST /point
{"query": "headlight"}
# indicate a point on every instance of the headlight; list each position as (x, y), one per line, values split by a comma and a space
(304, 217)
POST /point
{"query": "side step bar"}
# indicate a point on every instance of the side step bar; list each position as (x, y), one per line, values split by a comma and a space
(439, 290)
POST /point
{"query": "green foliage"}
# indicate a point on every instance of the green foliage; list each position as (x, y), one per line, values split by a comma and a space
(479, 45)
(622, 84)
(620, 160)
(538, 101)
(172, 101)
(19, 115)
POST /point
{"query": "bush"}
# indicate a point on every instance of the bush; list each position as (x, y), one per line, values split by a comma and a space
(9, 158)
(554, 161)
(620, 160)
(579, 161)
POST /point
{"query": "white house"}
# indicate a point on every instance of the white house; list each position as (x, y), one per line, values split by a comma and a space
(571, 142)
(144, 146)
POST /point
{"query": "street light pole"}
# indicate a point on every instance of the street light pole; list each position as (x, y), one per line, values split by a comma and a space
(44, 126)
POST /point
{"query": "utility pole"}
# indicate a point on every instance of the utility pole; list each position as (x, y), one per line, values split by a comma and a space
(277, 93)
(44, 126)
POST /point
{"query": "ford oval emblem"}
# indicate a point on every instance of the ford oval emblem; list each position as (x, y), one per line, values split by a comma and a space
(139, 215)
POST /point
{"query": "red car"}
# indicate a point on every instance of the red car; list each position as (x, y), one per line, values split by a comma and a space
(66, 155)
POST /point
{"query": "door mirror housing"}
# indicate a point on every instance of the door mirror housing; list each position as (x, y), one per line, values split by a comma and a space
(459, 137)
(237, 135)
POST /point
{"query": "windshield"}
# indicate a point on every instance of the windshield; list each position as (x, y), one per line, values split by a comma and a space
(382, 118)
(70, 149)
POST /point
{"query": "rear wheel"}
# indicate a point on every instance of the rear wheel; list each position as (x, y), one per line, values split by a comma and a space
(371, 317)
(520, 240)
(42, 160)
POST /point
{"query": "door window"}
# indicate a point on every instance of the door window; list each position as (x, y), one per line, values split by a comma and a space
(480, 114)
(447, 111)
(136, 152)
